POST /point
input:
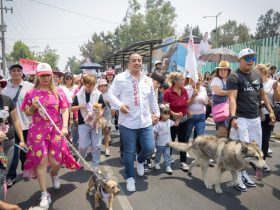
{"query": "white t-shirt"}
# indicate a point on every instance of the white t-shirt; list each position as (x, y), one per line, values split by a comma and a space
(162, 128)
(199, 104)
(216, 81)
(267, 86)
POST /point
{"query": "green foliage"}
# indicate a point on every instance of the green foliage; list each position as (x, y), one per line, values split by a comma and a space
(230, 33)
(74, 64)
(48, 56)
(157, 22)
(268, 25)
(20, 50)
(195, 32)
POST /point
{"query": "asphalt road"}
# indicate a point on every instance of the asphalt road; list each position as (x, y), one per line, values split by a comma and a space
(156, 190)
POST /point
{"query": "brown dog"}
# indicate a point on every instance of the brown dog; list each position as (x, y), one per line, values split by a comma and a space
(105, 188)
(94, 118)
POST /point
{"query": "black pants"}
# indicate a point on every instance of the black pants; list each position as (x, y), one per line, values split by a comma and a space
(18, 154)
(181, 132)
(266, 133)
(208, 111)
(116, 120)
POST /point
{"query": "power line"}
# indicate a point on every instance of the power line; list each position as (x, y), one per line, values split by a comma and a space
(74, 12)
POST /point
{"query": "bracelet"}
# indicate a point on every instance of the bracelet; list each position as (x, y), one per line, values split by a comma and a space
(233, 117)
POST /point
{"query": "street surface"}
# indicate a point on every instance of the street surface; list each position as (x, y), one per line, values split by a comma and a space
(156, 190)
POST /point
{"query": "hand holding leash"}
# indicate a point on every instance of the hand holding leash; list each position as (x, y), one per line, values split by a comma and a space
(234, 123)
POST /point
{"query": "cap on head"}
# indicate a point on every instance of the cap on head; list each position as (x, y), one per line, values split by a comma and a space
(69, 74)
(101, 82)
(44, 68)
(158, 62)
(15, 66)
(223, 65)
(245, 52)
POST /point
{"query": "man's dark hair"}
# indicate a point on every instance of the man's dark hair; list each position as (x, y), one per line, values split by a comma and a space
(132, 53)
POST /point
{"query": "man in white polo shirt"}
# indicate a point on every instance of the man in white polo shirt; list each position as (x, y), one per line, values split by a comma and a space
(16, 90)
(132, 93)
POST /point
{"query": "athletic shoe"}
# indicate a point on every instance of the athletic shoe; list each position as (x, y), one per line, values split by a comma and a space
(157, 166)
(184, 166)
(107, 152)
(45, 200)
(172, 160)
(270, 151)
(10, 182)
(247, 180)
(211, 163)
(146, 168)
(130, 184)
(55, 182)
(169, 170)
(140, 168)
(241, 187)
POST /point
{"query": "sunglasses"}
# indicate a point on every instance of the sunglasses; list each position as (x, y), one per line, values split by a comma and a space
(166, 112)
(68, 78)
(250, 58)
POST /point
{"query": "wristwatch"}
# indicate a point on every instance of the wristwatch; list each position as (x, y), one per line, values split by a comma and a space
(233, 117)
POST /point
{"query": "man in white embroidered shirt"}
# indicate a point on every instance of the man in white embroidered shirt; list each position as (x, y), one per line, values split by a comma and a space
(133, 94)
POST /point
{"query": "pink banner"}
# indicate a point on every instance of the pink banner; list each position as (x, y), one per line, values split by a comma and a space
(29, 66)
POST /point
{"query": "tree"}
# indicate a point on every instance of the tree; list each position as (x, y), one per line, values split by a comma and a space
(195, 32)
(20, 50)
(48, 56)
(230, 33)
(74, 64)
(268, 25)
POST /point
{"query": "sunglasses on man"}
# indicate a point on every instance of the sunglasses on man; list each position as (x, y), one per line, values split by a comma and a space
(166, 112)
(250, 58)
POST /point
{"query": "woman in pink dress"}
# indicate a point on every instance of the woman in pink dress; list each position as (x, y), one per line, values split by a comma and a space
(44, 142)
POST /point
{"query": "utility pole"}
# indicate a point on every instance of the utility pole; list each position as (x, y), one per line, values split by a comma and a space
(3, 29)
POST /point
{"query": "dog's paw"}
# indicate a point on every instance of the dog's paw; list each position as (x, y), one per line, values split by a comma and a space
(218, 190)
(208, 186)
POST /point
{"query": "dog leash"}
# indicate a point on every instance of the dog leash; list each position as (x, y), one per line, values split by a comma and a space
(68, 142)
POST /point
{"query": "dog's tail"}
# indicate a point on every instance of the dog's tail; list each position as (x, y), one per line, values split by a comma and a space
(182, 147)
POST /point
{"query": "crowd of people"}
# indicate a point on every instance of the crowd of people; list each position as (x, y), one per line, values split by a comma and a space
(39, 120)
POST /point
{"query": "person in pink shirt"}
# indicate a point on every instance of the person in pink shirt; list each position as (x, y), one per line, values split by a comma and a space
(45, 144)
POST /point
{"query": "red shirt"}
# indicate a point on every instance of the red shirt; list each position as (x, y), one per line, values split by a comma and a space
(178, 103)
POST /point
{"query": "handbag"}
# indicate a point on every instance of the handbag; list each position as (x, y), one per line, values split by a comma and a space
(220, 112)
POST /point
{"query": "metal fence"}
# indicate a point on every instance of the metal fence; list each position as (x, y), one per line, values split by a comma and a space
(268, 51)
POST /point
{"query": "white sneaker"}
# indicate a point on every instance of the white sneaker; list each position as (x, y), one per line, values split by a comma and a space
(107, 152)
(157, 166)
(241, 186)
(130, 184)
(140, 168)
(269, 151)
(247, 180)
(184, 166)
(169, 170)
(55, 182)
(45, 200)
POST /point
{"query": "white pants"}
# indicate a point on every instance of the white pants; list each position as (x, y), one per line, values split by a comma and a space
(248, 130)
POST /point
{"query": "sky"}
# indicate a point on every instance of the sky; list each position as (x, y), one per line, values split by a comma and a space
(39, 25)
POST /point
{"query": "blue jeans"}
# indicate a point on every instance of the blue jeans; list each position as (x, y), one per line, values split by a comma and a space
(129, 137)
(89, 137)
(197, 121)
(165, 150)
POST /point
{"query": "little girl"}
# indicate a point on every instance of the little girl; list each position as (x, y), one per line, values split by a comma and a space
(163, 136)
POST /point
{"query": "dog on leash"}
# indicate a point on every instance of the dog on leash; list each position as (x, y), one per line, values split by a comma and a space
(229, 155)
(105, 188)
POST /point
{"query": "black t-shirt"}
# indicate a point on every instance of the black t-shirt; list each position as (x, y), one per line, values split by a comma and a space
(6, 106)
(76, 103)
(248, 94)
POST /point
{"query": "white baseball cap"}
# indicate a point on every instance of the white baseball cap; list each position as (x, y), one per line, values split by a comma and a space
(44, 68)
(157, 62)
(245, 52)
(101, 82)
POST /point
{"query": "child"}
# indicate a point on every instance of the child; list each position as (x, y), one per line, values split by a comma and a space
(102, 86)
(163, 136)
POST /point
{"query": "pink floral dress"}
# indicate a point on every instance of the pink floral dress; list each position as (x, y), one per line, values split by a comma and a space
(43, 139)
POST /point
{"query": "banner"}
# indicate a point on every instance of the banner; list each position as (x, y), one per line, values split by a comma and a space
(29, 66)
(191, 66)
